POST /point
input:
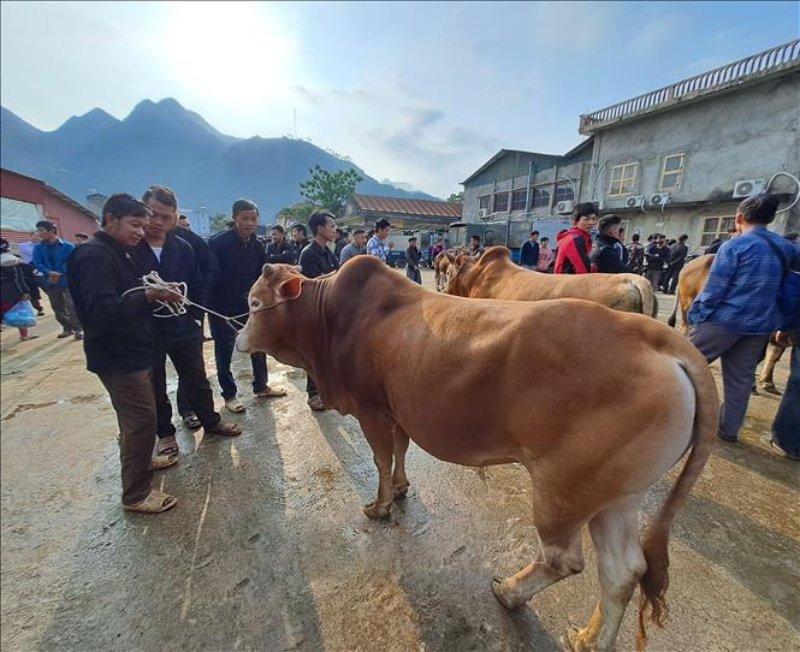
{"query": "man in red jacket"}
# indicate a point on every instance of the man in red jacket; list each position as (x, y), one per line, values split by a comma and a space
(574, 246)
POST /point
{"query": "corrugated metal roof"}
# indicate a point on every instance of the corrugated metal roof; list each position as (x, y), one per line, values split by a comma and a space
(398, 206)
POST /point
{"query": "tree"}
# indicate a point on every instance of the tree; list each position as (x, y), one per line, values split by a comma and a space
(456, 198)
(218, 222)
(297, 213)
(330, 189)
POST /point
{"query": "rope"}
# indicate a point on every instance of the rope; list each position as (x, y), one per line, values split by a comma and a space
(153, 281)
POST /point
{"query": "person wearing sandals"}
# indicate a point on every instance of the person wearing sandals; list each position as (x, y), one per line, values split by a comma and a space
(117, 320)
(13, 286)
(179, 337)
(240, 259)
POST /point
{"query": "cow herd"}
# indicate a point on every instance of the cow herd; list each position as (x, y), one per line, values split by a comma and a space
(592, 437)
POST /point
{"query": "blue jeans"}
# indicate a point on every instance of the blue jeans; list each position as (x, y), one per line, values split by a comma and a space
(224, 342)
(786, 428)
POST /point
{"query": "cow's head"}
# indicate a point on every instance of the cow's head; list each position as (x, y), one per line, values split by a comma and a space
(268, 323)
(458, 275)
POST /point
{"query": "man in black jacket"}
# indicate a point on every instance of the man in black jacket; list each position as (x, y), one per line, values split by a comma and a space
(178, 337)
(657, 256)
(317, 259)
(299, 241)
(607, 249)
(413, 256)
(677, 259)
(118, 341)
(240, 257)
(280, 251)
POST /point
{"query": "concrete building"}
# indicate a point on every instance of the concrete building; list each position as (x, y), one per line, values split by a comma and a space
(675, 160)
(404, 214)
(25, 200)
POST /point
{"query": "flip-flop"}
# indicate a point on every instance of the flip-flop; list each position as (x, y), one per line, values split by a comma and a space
(156, 502)
(167, 446)
(224, 430)
(270, 392)
(235, 405)
(161, 462)
(191, 421)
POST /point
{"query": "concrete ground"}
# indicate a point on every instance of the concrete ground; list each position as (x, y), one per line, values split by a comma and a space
(268, 547)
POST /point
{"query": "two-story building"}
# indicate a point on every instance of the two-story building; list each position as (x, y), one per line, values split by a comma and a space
(676, 160)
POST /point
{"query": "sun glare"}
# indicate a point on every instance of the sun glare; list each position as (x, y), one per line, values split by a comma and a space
(221, 49)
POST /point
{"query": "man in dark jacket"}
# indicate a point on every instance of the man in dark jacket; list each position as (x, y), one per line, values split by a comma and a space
(240, 257)
(116, 316)
(413, 257)
(178, 337)
(529, 254)
(280, 251)
(607, 251)
(635, 250)
(317, 259)
(657, 256)
(574, 245)
(677, 259)
(299, 241)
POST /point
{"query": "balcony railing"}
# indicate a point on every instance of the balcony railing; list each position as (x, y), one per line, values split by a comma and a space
(782, 56)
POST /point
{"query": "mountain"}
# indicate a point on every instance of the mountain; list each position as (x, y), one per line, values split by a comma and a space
(163, 142)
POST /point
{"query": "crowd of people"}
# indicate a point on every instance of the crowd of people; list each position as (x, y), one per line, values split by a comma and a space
(97, 293)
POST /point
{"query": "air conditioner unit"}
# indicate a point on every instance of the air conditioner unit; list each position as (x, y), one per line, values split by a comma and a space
(564, 207)
(483, 213)
(634, 201)
(659, 199)
(748, 187)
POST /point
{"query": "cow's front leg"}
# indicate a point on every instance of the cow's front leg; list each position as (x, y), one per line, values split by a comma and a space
(399, 479)
(379, 434)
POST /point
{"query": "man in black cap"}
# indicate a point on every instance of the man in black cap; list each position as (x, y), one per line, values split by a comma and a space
(413, 257)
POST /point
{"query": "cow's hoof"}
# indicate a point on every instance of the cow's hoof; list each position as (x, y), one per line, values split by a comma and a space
(400, 490)
(376, 511)
(504, 596)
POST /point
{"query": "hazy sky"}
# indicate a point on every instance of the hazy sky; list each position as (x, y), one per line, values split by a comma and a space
(417, 92)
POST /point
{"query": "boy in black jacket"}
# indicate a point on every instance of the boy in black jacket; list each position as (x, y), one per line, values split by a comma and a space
(607, 250)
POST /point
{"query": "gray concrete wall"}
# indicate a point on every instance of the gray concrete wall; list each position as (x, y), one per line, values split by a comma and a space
(752, 132)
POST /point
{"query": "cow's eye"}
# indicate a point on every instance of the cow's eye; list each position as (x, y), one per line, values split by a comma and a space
(255, 303)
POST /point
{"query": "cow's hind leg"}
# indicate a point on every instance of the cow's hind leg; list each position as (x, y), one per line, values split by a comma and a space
(399, 479)
(560, 554)
(379, 434)
(620, 566)
(766, 382)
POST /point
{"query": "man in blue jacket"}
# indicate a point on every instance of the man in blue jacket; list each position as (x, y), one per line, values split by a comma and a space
(529, 254)
(178, 337)
(733, 316)
(50, 258)
(240, 258)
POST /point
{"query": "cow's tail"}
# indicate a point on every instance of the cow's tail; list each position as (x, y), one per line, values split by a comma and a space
(646, 294)
(673, 318)
(653, 584)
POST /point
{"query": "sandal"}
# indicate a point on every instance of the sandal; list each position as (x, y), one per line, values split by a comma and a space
(161, 462)
(316, 404)
(225, 430)
(167, 446)
(235, 405)
(191, 421)
(156, 502)
(270, 392)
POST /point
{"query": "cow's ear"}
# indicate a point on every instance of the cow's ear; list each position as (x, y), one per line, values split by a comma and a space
(267, 270)
(292, 288)
(459, 260)
(450, 256)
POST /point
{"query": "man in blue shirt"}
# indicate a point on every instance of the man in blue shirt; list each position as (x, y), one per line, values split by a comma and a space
(733, 316)
(50, 258)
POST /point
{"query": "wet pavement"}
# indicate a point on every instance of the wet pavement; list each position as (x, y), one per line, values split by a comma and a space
(268, 547)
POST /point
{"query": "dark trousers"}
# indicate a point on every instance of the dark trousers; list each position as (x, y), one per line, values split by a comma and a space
(414, 274)
(61, 300)
(135, 405)
(654, 276)
(670, 282)
(739, 355)
(33, 285)
(786, 428)
(224, 342)
(186, 354)
(181, 397)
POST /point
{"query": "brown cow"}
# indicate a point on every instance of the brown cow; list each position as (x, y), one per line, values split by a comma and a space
(691, 282)
(442, 266)
(494, 276)
(592, 441)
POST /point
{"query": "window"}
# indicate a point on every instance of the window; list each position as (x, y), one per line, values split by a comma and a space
(715, 227)
(623, 179)
(564, 192)
(519, 200)
(484, 201)
(541, 198)
(672, 173)
(501, 202)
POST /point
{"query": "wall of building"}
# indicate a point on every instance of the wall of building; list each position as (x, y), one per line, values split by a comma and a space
(67, 218)
(748, 133)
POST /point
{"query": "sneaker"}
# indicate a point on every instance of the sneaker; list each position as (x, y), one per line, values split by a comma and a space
(767, 441)
(78, 335)
(63, 334)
